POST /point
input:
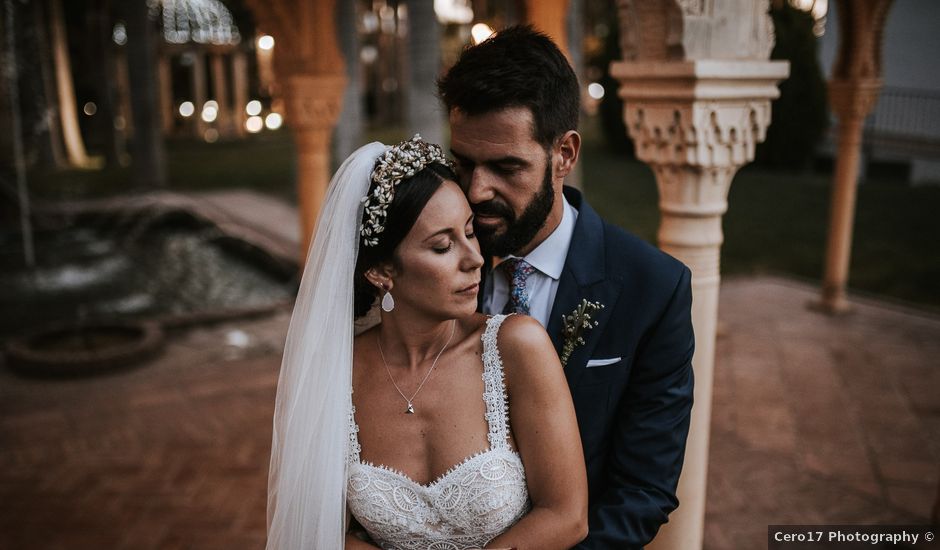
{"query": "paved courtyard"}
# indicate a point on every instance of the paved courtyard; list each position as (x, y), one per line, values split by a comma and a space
(816, 419)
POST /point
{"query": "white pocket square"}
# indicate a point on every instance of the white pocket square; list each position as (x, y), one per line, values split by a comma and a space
(602, 362)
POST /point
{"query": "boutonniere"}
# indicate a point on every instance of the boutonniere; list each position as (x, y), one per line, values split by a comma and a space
(576, 323)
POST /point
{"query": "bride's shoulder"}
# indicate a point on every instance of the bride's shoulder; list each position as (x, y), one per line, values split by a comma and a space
(523, 340)
(526, 352)
(520, 330)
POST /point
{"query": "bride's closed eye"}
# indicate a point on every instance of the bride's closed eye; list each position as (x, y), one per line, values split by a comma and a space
(443, 249)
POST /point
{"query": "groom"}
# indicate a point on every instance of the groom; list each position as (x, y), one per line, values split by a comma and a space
(513, 103)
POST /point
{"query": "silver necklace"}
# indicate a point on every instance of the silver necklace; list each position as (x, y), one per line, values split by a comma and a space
(410, 409)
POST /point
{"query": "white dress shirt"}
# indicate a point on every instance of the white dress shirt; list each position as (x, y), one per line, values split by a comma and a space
(548, 259)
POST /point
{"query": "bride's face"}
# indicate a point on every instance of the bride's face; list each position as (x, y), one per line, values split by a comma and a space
(439, 259)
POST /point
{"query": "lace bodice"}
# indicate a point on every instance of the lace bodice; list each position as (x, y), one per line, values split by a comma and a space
(472, 503)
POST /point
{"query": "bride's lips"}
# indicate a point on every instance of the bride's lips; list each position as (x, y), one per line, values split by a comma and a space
(470, 290)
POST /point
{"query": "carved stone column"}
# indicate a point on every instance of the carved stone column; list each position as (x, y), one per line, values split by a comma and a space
(548, 16)
(853, 92)
(313, 104)
(696, 86)
(68, 113)
(165, 79)
(239, 90)
(200, 92)
(310, 78)
(221, 91)
(423, 67)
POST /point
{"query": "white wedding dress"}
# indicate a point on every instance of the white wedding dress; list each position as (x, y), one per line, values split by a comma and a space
(468, 506)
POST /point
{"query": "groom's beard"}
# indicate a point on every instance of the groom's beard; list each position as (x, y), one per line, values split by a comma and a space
(519, 231)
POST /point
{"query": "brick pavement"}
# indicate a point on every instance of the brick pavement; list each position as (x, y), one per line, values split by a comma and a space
(819, 419)
(815, 419)
(170, 455)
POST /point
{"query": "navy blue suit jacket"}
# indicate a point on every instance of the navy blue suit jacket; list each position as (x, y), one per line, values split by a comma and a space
(634, 413)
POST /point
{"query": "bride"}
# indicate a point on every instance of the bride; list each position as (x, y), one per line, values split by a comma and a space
(439, 428)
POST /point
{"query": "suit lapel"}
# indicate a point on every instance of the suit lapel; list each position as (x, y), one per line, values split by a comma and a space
(582, 278)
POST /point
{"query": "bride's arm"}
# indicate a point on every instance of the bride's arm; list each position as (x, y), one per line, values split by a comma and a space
(545, 429)
(352, 541)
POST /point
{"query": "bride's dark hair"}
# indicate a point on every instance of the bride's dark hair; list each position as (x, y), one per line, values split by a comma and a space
(411, 196)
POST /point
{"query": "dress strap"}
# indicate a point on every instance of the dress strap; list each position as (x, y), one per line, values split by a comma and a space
(352, 446)
(494, 386)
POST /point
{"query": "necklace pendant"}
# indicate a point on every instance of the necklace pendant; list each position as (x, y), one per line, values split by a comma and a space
(410, 409)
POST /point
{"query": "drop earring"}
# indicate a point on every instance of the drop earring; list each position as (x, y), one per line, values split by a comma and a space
(388, 302)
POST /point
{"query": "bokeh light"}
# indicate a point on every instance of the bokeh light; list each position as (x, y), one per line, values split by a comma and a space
(266, 42)
(273, 121)
(480, 32)
(254, 124)
(187, 108)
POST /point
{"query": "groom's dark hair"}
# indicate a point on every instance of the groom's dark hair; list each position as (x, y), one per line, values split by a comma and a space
(516, 67)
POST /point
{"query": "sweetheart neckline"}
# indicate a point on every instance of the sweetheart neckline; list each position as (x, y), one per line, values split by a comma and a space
(442, 477)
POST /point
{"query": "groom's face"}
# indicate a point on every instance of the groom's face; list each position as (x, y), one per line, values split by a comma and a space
(507, 176)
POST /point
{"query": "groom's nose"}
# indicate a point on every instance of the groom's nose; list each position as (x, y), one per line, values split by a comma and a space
(480, 185)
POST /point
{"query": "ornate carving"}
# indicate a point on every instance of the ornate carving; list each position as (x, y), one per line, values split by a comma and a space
(629, 33)
(313, 102)
(650, 30)
(656, 30)
(698, 133)
(692, 7)
(862, 25)
(696, 123)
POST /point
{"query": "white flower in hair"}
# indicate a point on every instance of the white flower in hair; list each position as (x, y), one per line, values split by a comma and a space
(398, 163)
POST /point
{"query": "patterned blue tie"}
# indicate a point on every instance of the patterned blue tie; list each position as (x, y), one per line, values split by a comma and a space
(517, 271)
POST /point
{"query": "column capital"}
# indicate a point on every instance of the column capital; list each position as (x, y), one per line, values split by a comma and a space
(703, 113)
(313, 102)
(695, 123)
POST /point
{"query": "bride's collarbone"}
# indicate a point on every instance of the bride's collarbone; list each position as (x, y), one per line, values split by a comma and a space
(448, 424)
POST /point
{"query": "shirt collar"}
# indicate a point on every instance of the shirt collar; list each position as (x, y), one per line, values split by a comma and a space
(549, 256)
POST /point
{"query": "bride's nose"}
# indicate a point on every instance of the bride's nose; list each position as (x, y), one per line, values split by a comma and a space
(472, 259)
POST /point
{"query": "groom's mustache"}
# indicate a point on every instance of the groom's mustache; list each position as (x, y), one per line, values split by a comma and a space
(493, 207)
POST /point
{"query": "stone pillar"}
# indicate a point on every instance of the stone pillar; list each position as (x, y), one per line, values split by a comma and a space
(239, 90)
(697, 87)
(310, 76)
(853, 92)
(124, 122)
(200, 93)
(220, 90)
(549, 17)
(423, 112)
(68, 113)
(313, 104)
(165, 78)
(561, 20)
(348, 135)
(574, 27)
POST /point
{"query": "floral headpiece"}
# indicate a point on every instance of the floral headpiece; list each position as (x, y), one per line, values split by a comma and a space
(398, 163)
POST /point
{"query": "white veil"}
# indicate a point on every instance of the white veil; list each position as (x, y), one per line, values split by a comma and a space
(307, 477)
